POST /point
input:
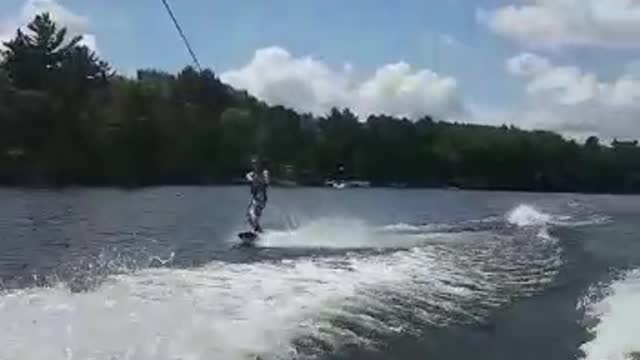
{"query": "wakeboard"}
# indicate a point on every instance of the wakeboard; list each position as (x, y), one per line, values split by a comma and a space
(247, 238)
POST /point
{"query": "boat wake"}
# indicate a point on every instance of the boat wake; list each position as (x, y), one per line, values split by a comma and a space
(288, 308)
(612, 316)
(342, 233)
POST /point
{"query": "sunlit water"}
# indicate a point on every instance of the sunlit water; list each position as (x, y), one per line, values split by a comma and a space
(384, 274)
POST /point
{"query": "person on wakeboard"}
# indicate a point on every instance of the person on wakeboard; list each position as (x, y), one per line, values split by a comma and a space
(258, 179)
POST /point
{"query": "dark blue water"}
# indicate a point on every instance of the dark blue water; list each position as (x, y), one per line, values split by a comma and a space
(340, 274)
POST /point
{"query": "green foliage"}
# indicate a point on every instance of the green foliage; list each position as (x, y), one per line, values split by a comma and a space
(66, 118)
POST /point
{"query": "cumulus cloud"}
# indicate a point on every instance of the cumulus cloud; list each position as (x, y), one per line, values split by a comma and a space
(310, 85)
(75, 24)
(575, 102)
(399, 90)
(565, 99)
(528, 64)
(570, 85)
(305, 84)
(557, 23)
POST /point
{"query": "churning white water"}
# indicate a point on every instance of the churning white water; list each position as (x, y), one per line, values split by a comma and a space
(616, 332)
(275, 309)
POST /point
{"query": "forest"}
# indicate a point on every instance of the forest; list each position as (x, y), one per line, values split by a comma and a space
(66, 118)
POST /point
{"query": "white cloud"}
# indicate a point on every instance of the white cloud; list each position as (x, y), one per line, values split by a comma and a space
(528, 64)
(557, 23)
(89, 40)
(75, 24)
(569, 85)
(399, 90)
(276, 77)
(565, 99)
(575, 102)
(307, 84)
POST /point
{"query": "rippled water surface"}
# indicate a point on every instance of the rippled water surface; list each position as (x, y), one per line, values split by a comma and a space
(339, 274)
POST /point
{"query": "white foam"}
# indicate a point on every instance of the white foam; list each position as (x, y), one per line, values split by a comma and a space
(235, 311)
(409, 228)
(226, 311)
(326, 232)
(527, 215)
(543, 234)
(337, 233)
(616, 333)
(592, 220)
(355, 235)
(345, 233)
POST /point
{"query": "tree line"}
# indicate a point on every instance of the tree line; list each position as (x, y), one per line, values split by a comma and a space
(67, 118)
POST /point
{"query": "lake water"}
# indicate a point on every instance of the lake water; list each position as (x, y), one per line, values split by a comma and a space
(340, 274)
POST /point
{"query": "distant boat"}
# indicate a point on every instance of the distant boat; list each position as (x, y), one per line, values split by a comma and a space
(335, 184)
(338, 184)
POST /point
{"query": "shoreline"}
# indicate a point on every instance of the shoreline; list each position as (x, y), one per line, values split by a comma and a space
(50, 187)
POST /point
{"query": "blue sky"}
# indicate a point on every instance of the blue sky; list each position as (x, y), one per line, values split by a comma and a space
(368, 34)
(470, 42)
